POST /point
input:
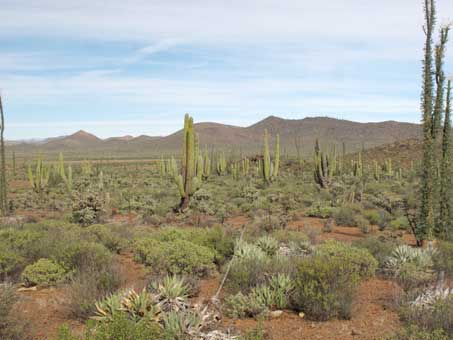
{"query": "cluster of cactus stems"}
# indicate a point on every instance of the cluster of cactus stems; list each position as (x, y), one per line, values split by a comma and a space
(325, 166)
(357, 166)
(40, 178)
(187, 180)
(65, 177)
(221, 166)
(270, 169)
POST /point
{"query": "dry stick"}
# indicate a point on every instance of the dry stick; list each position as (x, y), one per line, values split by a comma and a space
(216, 296)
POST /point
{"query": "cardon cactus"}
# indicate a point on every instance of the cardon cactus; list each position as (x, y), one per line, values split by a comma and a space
(187, 181)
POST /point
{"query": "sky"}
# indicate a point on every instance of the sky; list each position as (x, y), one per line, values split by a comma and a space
(135, 67)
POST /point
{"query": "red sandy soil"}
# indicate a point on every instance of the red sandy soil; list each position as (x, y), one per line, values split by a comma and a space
(370, 320)
(46, 308)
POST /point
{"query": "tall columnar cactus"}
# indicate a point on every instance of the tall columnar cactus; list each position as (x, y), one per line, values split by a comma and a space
(358, 166)
(162, 167)
(245, 166)
(206, 164)
(266, 165)
(66, 178)
(234, 169)
(376, 170)
(40, 179)
(3, 182)
(14, 165)
(323, 170)
(187, 180)
(221, 164)
(276, 156)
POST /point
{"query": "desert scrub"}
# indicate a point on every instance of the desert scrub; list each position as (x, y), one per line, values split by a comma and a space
(325, 281)
(324, 288)
(175, 257)
(435, 316)
(416, 333)
(87, 208)
(320, 211)
(359, 261)
(443, 259)
(381, 249)
(90, 285)
(11, 326)
(44, 272)
(274, 294)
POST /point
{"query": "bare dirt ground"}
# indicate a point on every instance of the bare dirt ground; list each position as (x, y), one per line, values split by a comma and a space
(370, 321)
(46, 308)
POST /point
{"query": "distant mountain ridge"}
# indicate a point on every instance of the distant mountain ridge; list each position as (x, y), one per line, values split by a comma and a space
(248, 139)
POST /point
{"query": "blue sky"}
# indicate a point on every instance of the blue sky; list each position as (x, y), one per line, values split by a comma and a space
(135, 67)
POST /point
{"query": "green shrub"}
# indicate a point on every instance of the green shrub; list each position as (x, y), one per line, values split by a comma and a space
(81, 255)
(89, 286)
(326, 280)
(359, 261)
(12, 326)
(380, 249)
(320, 212)
(400, 223)
(179, 257)
(437, 316)
(44, 272)
(105, 236)
(362, 223)
(345, 216)
(416, 333)
(120, 328)
(443, 260)
(10, 262)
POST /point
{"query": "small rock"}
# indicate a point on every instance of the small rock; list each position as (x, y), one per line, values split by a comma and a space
(276, 313)
(301, 315)
(354, 332)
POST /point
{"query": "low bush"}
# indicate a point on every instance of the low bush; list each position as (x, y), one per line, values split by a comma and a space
(176, 257)
(11, 326)
(320, 211)
(89, 286)
(119, 328)
(443, 259)
(251, 267)
(359, 261)
(434, 317)
(44, 272)
(324, 288)
(345, 216)
(416, 333)
(379, 248)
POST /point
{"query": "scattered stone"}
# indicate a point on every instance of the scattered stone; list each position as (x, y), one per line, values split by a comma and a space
(276, 313)
(301, 315)
(354, 332)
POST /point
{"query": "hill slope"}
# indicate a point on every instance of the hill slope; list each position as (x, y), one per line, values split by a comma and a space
(248, 139)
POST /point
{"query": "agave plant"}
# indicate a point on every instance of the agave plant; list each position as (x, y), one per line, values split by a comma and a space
(282, 286)
(430, 297)
(172, 293)
(422, 258)
(108, 308)
(186, 324)
(244, 250)
(268, 244)
(139, 306)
